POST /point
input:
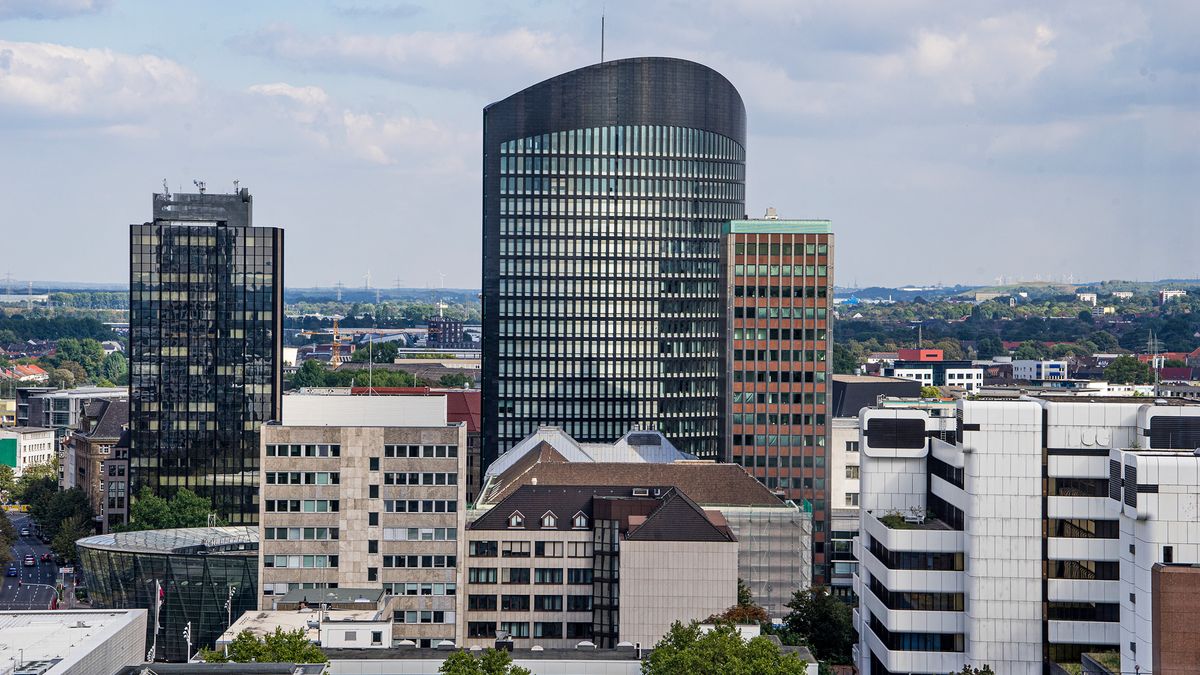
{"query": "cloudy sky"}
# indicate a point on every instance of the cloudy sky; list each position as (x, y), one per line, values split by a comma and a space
(950, 142)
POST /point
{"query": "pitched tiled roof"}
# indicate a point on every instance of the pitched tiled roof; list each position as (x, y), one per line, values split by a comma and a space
(703, 482)
(679, 519)
(113, 419)
(532, 501)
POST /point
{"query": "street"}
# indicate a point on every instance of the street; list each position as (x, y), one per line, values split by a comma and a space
(37, 583)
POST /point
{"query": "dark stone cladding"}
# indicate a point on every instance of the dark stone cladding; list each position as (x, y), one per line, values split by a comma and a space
(645, 90)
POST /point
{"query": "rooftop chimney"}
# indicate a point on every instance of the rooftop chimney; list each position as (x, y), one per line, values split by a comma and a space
(772, 214)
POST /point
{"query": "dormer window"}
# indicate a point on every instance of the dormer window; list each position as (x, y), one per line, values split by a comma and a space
(516, 519)
(549, 520)
(580, 521)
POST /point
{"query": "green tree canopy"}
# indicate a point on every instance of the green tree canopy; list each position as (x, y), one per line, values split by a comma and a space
(70, 530)
(685, 650)
(1031, 350)
(455, 380)
(278, 647)
(151, 512)
(384, 352)
(8, 483)
(929, 391)
(822, 622)
(1128, 370)
(490, 662)
(989, 347)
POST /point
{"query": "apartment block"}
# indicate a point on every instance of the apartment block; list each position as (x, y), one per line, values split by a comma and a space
(366, 492)
(1155, 493)
(774, 535)
(779, 281)
(89, 446)
(23, 447)
(999, 536)
(553, 566)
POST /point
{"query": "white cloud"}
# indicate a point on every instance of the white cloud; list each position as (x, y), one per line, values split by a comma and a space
(377, 137)
(446, 59)
(49, 9)
(94, 83)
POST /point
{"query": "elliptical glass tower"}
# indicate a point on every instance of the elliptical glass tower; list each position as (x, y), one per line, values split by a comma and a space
(205, 343)
(605, 190)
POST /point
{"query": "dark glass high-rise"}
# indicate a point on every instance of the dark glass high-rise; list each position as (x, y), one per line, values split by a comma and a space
(205, 339)
(604, 193)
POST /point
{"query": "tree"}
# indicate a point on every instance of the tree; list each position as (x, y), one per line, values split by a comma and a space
(844, 360)
(490, 662)
(8, 483)
(115, 368)
(1104, 340)
(822, 622)
(151, 512)
(989, 347)
(70, 531)
(929, 391)
(278, 647)
(967, 669)
(1030, 351)
(310, 374)
(1174, 363)
(455, 380)
(685, 649)
(744, 596)
(384, 352)
(1128, 370)
(60, 508)
(62, 378)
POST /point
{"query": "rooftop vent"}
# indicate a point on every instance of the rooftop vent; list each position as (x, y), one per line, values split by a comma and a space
(641, 492)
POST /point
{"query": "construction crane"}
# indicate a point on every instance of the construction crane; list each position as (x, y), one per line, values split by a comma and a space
(335, 351)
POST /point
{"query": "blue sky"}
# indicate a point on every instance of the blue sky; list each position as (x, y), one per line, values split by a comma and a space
(949, 142)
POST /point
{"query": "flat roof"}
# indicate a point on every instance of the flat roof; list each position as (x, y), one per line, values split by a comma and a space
(27, 430)
(1145, 400)
(59, 634)
(181, 540)
(780, 226)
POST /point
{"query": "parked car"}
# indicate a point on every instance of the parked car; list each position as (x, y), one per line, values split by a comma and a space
(47, 557)
(30, 561)
(12, 571)
(24, 531)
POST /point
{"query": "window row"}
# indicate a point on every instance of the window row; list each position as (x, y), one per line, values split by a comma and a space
(303, 477)
(520, 629)
(779, 397)
(779, 271)
(410, 588)
(420, 561)
(654, 140)
(303, 450)
(774, 419)
(521, 575)
(300, 561)
(301, 505)
(655, 185)
(301, 533)
(420, 505)
(429, 616)
(414, 451)
(780, 376)
(521, 603)
(420, 534)
(420, 478)
(779, 440)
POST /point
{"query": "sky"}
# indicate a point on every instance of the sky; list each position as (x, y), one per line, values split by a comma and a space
(949, 142)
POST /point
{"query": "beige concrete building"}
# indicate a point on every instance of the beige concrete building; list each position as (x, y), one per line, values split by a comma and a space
(552, 566)
(26, 447)
(365, 492)
(774, 535)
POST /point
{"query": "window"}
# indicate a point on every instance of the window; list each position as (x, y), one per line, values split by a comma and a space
(852, 471)
(514, 603)
(515, 549)
(579, 630)
(580, 521)
(548, 603)
(481, 603)
(351, 636)
(543, 629)
(579, 576)
(851, 499)
(1168, 554)
(579, 549)
(549, 521)
(579, 603)
(516, 629)
(548, 575)
(481, 629)
(548, 549)
(481, 575)
(516, 575)
(376, 637)
(482, 549)
(516, 520)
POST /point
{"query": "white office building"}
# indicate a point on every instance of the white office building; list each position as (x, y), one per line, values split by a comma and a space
(999, 544)
(1032, 370)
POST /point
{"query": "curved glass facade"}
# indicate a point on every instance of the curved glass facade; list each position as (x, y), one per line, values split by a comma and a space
(195, 569)
(603, 302)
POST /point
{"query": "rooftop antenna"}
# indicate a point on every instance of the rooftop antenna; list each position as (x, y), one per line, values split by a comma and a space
(236, 183)
(602, 36)
(200, 185)
(166, 189)
(339, 286)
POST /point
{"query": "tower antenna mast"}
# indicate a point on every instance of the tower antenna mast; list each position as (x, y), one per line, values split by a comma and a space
(602, 36)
